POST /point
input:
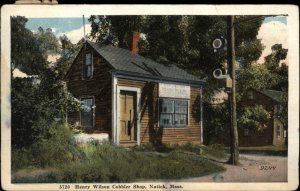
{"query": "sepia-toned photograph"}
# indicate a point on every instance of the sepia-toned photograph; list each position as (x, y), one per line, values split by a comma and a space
(98, 98)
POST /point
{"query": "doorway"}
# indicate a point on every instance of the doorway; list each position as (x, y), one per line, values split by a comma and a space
(128, 116)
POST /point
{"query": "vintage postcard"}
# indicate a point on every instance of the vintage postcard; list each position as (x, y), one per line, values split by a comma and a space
(149, 97)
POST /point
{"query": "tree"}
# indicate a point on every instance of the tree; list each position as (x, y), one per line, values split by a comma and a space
(30, 61)
(273, 74)
(165, 36)
(48, 43)
(67, 54)
(275, 65)
(187, 42)
(253, 117)
(115, 30)
(184, 40)
(216, 120)
(255, 76)
(35, 101)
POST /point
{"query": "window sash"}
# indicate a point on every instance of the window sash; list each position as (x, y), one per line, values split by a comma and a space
(88, 65)
(173, 112)
(88, 59)
(278, 132)
(87, 114)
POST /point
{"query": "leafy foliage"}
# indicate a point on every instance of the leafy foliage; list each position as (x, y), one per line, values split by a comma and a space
(48, 43)
(216, 120)
(25, 48)
(184, 40)
(67, 54)
(53, 149)
(254, 117)
(273, 74)
(256, 76)
(283, 116)
(272, 61)
(115, 30)
(276, 65)
(35, 101)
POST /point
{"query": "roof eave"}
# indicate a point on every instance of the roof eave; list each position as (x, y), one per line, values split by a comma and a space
(145, 77)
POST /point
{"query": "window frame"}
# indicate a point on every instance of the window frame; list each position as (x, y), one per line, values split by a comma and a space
(278, 132)
(246, 132)
(174, 113)
(250, 96)
(93, 111)
(84, 67)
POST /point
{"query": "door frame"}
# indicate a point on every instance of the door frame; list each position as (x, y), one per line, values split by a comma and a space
(117, 118)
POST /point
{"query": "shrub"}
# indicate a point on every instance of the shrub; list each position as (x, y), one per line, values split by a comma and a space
(20, 158)
(56, 149)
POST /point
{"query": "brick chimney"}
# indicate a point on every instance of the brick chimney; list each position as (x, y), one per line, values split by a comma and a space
(135, 42)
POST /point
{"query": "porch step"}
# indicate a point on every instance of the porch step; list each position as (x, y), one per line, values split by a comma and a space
(128, 144)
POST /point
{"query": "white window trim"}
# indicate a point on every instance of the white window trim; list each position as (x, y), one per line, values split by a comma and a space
(116, 111)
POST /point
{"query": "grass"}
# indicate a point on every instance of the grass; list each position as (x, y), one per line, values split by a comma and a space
(267, 150)
(107, 163)
(264, 150)
(215, 152)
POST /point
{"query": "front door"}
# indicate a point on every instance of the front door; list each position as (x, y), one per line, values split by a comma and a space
(127, 116)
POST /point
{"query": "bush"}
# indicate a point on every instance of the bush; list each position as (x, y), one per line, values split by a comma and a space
(57, 149)
(20, 158)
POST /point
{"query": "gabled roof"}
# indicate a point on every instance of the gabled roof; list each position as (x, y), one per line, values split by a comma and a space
(273, 94)
(125, 61)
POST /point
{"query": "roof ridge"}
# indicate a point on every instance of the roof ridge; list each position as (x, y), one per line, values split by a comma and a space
(124, 60)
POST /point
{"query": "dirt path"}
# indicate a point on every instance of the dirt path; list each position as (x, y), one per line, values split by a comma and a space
(252, 168)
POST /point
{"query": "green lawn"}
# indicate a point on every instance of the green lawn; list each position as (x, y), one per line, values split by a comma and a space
(107, 163)
(265, 148)
(268, 150)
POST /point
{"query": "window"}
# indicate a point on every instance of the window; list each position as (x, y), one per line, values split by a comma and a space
(173, 113)
(250, 95)
(88, 66)
(87, 112)
(246, 132)
(278, 133)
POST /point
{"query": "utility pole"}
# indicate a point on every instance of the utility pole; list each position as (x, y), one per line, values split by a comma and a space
(234, 149)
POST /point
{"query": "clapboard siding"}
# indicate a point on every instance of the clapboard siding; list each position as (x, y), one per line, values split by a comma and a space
(150, 131)
(98, 87)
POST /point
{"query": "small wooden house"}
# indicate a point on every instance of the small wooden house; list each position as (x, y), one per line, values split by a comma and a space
(134, 99)
(275, 133)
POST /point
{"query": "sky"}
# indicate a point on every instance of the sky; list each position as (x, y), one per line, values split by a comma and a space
(72, 27)
(273, 30)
